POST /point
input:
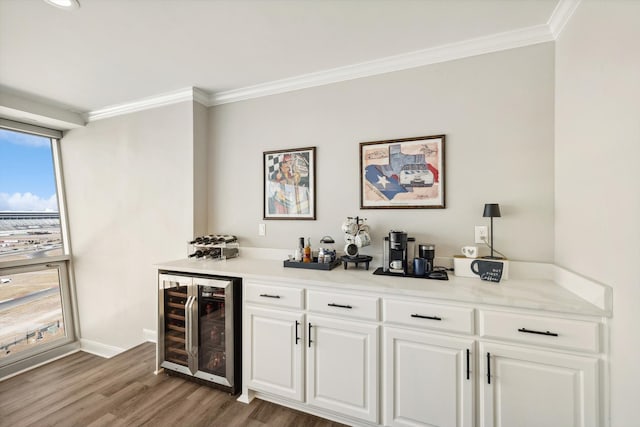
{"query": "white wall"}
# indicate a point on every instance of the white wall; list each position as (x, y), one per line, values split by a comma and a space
(130, 196)
(496, 111)
(597, 173)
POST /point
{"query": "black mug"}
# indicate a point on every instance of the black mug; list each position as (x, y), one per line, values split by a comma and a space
(487, 270)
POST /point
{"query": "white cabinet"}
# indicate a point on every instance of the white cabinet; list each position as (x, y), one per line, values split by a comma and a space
(330, 356)
(400, 361)
(342, 366)
(428, 379)
(275, 351)
(522, 387)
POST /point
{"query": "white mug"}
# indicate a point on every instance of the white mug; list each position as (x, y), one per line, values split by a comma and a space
(350, 227)
(470, 251)
(363, 239)
(396, 265)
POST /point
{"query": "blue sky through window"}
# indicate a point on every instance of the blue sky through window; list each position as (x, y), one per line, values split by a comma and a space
(27, 181)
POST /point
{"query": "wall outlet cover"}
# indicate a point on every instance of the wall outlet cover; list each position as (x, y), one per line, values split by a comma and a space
(482, 234)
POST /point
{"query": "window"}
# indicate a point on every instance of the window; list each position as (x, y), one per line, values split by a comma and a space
(36, 310)
(29, 214)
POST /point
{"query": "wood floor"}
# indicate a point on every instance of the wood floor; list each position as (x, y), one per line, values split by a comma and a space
(87, 390)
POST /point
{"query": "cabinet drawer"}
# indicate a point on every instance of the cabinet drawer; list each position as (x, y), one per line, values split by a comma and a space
(347, 305)
(275, 296)
(428, 316)
(548, 331)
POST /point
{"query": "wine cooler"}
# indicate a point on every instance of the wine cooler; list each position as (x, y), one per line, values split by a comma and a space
(199, 324)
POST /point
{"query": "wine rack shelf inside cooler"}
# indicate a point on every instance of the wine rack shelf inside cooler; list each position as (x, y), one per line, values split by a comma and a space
(175, 319)
(213, 351)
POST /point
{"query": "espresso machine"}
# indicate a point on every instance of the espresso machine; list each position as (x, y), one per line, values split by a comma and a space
(398, 252)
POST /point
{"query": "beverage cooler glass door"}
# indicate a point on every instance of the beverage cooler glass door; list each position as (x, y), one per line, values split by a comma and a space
(176, 300)
(215, 340)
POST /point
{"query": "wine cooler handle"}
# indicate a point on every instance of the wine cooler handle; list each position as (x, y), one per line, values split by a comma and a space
(187, 314)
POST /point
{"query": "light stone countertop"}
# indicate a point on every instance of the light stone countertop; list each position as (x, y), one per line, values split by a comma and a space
(537, 294)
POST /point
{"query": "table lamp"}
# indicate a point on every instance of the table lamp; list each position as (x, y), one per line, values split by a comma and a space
(491, 210)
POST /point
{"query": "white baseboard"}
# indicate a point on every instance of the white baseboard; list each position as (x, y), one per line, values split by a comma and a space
(99, 349)
(150, 336)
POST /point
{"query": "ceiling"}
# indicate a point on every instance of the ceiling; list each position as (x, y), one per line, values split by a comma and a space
(112, 52)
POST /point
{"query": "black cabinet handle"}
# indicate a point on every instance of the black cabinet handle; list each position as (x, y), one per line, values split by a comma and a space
(310, 335)
(269, 296)
(297, 336)
(468, 367)
(529, 331)
(419, 316)
(488, 368)
(339, 305)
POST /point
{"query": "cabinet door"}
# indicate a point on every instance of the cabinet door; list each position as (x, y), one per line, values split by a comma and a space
(531, 388)
(428, 379)
(275, 351)
(342, 366)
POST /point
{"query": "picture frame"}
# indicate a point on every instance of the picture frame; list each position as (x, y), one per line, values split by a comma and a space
(403, 173)
(289, 184)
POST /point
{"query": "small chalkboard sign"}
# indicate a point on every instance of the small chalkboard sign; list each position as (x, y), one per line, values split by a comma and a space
(490, 271)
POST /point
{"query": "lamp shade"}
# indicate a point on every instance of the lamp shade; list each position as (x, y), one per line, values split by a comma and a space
(491, 210)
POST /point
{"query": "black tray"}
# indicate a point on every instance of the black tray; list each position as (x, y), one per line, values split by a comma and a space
(435, 275)
(313, 265)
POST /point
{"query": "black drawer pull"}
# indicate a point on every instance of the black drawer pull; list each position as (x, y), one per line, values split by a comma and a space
(529, 331)
(297, 336)
(339, 305)
(310, 334)
(488, 368)
(269, 296)
(419, 316)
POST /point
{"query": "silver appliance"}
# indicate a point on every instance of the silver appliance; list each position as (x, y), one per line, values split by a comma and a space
(199, 327)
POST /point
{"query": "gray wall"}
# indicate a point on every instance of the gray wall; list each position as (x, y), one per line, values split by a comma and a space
(496, 111)
(597, 174)
(130, 197)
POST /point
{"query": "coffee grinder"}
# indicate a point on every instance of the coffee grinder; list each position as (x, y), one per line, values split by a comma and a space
(396, 254)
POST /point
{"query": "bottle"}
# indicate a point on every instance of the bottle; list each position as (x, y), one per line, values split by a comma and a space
(196, 240)
(299, 250)
(200, 253)
(307, 251)
(196, 254)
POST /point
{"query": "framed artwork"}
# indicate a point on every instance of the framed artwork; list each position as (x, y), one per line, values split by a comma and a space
(290, 184)
(402, 173)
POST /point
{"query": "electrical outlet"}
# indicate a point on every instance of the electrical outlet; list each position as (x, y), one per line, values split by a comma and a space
(262, 229)
(482, 233)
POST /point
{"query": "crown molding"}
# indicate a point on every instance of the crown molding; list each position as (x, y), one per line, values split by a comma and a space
(478, 46)
(561, 15)
(188, 94)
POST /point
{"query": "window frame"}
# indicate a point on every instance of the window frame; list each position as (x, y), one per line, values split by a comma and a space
(35, 357)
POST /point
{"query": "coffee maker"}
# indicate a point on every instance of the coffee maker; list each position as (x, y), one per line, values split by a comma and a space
(397, 252)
